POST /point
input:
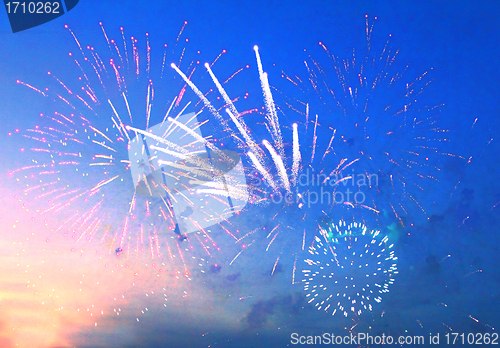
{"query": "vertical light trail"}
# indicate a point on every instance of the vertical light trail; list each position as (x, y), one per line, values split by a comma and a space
(275, 264)
(271, 115)
(149, 98)
(296, 155)
(307, 116)
(315, 138)
(279, 164)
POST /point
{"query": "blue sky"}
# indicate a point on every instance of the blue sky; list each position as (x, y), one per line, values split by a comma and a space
(457, 40)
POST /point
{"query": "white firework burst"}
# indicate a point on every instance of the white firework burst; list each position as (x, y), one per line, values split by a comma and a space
(351, 267)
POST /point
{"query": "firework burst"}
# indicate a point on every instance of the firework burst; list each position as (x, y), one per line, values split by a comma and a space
(380, 116)
(296, 179)
(351, 267)
(95, 160)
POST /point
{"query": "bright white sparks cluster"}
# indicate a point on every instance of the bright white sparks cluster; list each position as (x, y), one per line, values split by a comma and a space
(351, 267)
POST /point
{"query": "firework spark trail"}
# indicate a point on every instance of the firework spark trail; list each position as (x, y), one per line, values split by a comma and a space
(76, 40)
(195, 135)
(271, 115)
(103, 145)
(122, 126)
(124, 41)
(206, 102)
(135, 54)
(251, 143)
(183, 156)
(171, 127)
(101, 134)
(105, 182)
(159, 139)
(224, 190)
(33, 88)
(206, 173)
(296, 155)
(279, 165)
(105, 35)
(275, 235)
(315, 138)
(148, 55)
(149, 99)
(224, 94)
(329, 145)
(235, 116)
(204, 167)
(262, 170)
